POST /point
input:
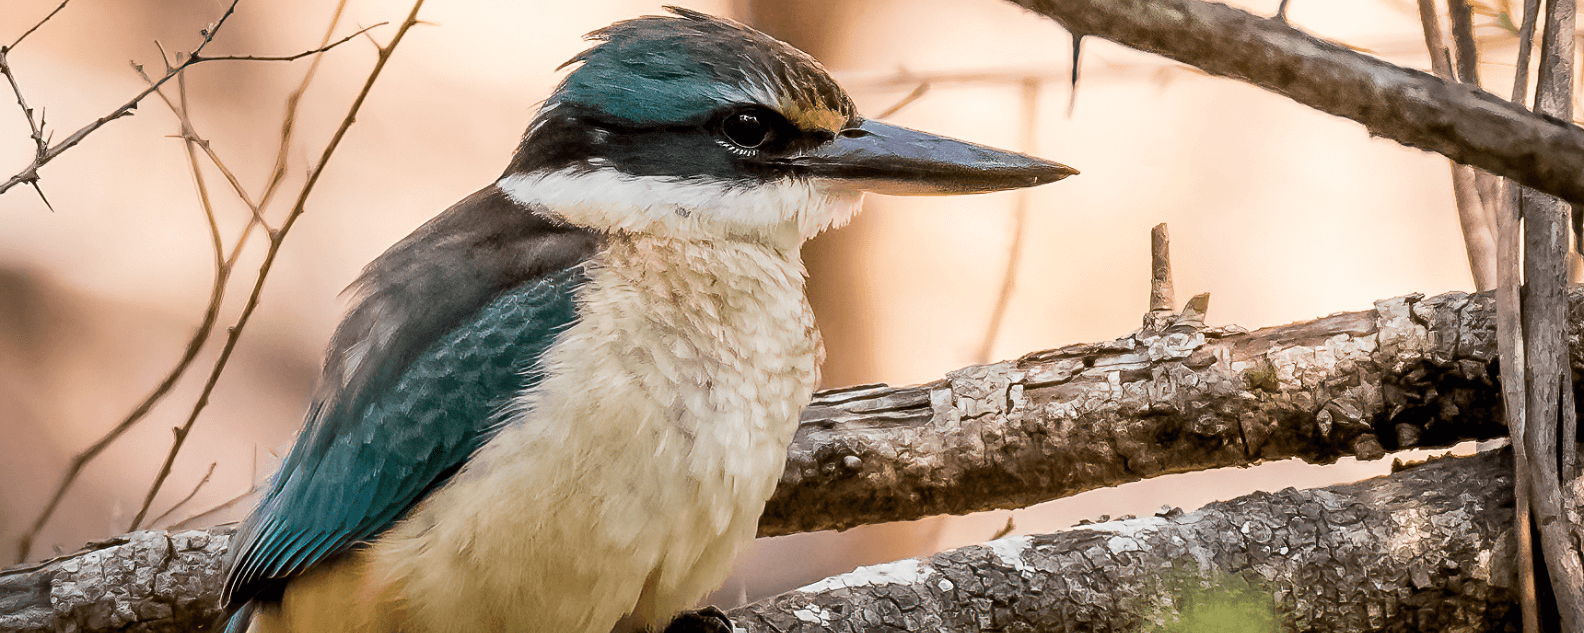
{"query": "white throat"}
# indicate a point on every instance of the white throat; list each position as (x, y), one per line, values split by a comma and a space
(783, 212)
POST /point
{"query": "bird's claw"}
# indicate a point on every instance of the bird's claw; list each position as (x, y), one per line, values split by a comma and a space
(706, 620)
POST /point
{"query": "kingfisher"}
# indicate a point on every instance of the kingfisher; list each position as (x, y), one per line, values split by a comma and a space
(560, 405)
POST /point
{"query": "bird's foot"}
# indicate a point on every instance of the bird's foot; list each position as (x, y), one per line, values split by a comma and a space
(706, 620)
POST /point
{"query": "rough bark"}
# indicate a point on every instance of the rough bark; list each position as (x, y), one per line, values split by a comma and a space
(1426, 549)
(1411, 372)
(141, 582)
(1460, 121)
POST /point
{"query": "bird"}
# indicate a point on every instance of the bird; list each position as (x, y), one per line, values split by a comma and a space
(561, 404)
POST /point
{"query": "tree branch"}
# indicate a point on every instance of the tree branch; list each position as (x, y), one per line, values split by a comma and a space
(1414, 108)
(1411, 372)
(1426, 549)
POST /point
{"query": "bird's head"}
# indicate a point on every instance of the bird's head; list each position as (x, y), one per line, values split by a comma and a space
(701, 128)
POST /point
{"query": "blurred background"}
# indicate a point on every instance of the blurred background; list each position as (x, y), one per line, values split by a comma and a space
(1280, 212)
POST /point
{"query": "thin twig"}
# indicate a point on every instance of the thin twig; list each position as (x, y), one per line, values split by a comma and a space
(1440, 57)
(288, 121)
(288, 58)
(211, 312)
(1510, 348)
(30, 174)
(35, 125)
(192, 138)
(187, 498)
(222, 506)
(1526, 29)
(1019, 220)
(276, 240)
(915, 95)
(36, 26)
(1479, 238)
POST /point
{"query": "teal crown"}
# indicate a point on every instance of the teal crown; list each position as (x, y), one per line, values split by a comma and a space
(659, 70)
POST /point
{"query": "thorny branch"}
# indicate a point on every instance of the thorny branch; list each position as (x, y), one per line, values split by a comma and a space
(277, 238)
(30, 174)
(224, 263)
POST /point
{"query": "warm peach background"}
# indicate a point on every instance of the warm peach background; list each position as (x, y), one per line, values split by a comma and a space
(1280, 212)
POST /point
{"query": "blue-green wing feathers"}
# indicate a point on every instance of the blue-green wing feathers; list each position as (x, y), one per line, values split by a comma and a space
(451, 325)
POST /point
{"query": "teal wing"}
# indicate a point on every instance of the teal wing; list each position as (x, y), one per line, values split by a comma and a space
(444, 337)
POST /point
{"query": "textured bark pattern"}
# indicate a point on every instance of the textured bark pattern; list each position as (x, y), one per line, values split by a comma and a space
(1414, 108)
(143, 582)
(1411, 372)
(1427, 549)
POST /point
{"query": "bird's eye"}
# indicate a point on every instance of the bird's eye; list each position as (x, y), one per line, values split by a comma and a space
(746, 129)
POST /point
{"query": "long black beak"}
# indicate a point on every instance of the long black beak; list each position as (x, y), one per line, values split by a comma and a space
(895, 160)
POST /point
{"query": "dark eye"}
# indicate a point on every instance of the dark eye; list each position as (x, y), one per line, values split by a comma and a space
(746, 129)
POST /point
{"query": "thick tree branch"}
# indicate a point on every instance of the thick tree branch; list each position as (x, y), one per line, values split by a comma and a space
(1461, 121)
(1427, 549)
(1411, 372)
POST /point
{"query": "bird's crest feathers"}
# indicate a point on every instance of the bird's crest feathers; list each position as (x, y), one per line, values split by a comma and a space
(657, 70)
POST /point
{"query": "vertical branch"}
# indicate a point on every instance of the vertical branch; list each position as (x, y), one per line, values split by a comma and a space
(1545, 332)
(1510, 344)
(1163, 296)
(1510, 350)
(1479, 239)
(1463, 39)
(1019, 221)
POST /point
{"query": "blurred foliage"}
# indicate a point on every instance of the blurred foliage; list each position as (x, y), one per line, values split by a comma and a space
(1220, 603)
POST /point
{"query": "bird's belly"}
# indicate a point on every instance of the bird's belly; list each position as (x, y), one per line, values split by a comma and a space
(622, 486)
(633, 517)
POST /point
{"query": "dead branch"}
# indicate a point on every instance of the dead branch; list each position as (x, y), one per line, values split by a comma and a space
(30, 174)
(223, 263)
(277, 238)
(1410, 372)
(1426, 549)
(1411, 107)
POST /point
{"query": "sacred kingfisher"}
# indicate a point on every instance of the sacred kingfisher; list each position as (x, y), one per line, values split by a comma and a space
(560, 405)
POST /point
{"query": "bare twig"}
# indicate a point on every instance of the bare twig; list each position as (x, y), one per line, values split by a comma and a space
(288, 121)
(30, 175)
(1413, 108)
(1440, 56)
(35, 124)
(917, 93)
(187, 498)
(222, 506)
(288, 58)
(1479, 239)
(276, 240)
(1510, 347)
(36, 26)
(1019, 220)
(223, 267)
